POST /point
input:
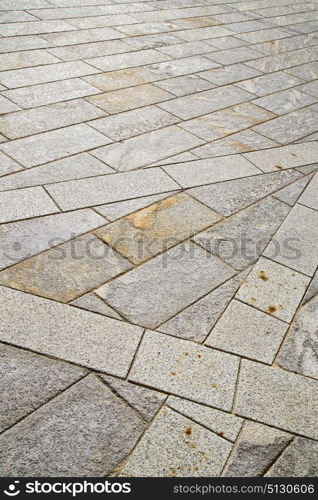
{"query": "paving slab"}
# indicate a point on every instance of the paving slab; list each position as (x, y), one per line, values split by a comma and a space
(25, 204)
(298, 460)
(309, 196)
(90, 302)
(267, 84)
(229, 74)
(291, 156)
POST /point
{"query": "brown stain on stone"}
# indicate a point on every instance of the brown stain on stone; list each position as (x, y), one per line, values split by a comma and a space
(263, 276)
(145, 219)
(188, 431)
(279, 167)
(271, 309)
(173, 374)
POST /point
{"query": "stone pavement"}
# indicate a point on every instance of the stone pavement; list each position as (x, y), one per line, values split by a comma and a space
(159, 233)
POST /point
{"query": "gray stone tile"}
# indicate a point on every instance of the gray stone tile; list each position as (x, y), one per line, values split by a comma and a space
(34, 28)
(135, 122)
(101, 21)
(224, 424)
(278, 398)
(23, 4)
(287, 44)
(13, 44)
(68, 12)
(265, 35)
(16, 16)
(245, 27)
(285, 101)
(90, 302)
(267, 84)
(126, 99)
(229, 74)
(87, 417)
(154, 229)
(225, 42)
(186, 49)
(312, 290)
(301, 230)
(74, 167)
(284, 60)
(240, 239)
(7, 106)
(274, 289)
(234, 56)
(159, 40)
(195, 322)
(241, 142)
(43, 74)
(289, 128)
(145, 401)
(187, 270)
(81, 36)
(307, 71)
(110, 188)
(7, 165)
(81, 337)
(203, 33)
(291, 193)
(310, 195)
(204, 102)
(310, 88)
(231, 196)
(221, 123)
(25, 59)
(21, 240)
(181, 157)
(123, 78)
(48, 93)
(179, 67)
(199, 172)
(29, 380)
(49, 146)
(298, 352)
(186, 369)
(298, 460)
(24, 204)
(184, 85)
(294, 155)
(87, 50)
(67, 271)
(257, 448)
(244, 331)
(174, 446)
(128, 60)
(147, 148)
(45, 118)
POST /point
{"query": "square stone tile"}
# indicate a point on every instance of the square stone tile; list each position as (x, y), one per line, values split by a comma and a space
(186, 369)
(244, 331)
(187, 271)
(274, 289)
(24, 204)
(160, 226)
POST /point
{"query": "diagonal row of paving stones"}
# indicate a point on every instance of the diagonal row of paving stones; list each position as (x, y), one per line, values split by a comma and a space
(158, 238)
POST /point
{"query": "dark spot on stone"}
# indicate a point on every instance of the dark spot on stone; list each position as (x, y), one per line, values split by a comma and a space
(221, 433)
(271, 309)
(188, 431)
(279, 167)
(173, 373)
(262, 276)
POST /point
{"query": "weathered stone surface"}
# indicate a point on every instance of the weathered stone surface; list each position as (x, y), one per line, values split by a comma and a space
(184, 85)
(186, 271)
(257, 448)
(275, 397)
(291, 193)
(123, 78)
(300, 459)
(310, 195)
(294, 155)
(230, 74)
(285, 101)
(160, 226)
(312, 290)
(84, 431)
(91, 302)
(25, 204)
(7, 165)
(266, 84)
(174, 446)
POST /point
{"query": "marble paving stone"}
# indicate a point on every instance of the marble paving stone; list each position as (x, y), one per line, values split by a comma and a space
(287, 44)
(186, 49)
(20, 240)
(68, 12)
(299, 459)
(123, 78)
(16, 16)
(195, 322)
(231, 196)
(184, 85)
(221, 123)
(174, 446)
(307, 71)
(147, 148)
(53, 145)
(284, 60)
(7, 106)
(43, 378)
(299, 232)
(186, 270)
(191, 35)
(291, 193)
(274, 289)
(226, 425)
(7, 165)
(81, 36)
(86, 418)
(145, 401)
(135, 122)
(204, 102)
(199, 172)
(257, 448)
(285, 101)
(196, 22)
(181, 157)
(267, 84)
(262, 35)
(310, 195)
(288, 128)
(43, 74)
(45, 118)
(92, 303)
(151, 41)
(74, 167)
(14, 44)
(25, 204)
(186, 369)
(126, 99)
(291, 156)
(312, 290)
(234, 56)
(67, 271)
(241, 142)
(34, 28)
(58, 330)
(110, 188)
(240, 239)
(179, 67)
(256, 335)
(310, 88)
(48, 93)
(128, 60)
(16, 60)
(225, 42)
(229, 74)
(101, 21)
(245, 27)
(154, 229)
(87, 50)
(278, 398)
(299, 350)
